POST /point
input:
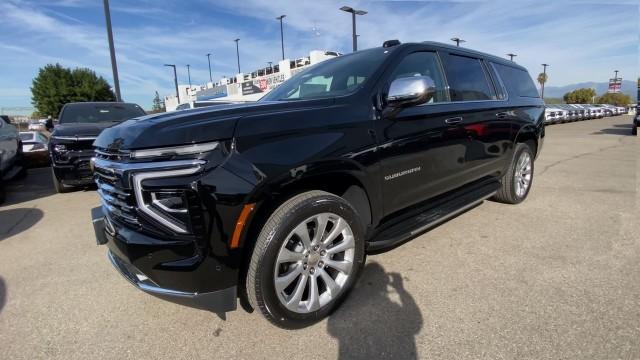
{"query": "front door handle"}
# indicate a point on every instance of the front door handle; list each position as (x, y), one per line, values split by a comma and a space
(453, 121)
(501, 115)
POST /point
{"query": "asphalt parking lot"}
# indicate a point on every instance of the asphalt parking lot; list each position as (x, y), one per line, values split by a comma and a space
(555, 277)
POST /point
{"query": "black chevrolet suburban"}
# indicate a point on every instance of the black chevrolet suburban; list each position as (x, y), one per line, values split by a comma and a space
(276, 204)
(70, 146)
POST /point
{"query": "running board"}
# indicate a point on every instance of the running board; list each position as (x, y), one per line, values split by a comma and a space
(441, 211)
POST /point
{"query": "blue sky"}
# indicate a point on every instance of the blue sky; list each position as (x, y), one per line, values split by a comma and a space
(582, 40)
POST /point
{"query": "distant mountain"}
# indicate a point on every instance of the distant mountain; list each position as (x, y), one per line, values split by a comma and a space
(628, 87)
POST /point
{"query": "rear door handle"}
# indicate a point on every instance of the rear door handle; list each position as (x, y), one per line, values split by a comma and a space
(501, 115)
(453, 121)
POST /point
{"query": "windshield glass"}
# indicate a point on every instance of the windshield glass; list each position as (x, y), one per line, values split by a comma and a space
(26, 136)
(334, 77)
(103, 112)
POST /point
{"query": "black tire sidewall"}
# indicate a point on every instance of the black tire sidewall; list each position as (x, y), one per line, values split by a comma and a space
(319, 204)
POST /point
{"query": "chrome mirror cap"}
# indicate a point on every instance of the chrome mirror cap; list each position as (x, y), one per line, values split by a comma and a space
(411, 91)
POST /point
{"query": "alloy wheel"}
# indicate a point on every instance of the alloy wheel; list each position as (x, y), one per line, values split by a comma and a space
(314, 263)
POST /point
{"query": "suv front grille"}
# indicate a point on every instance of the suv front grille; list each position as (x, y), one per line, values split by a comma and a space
(116, 199)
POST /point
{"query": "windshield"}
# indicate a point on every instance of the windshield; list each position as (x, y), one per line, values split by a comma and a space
(26, 136)
(338, 76)
(103, 112)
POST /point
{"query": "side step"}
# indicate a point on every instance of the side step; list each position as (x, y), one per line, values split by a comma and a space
(436, 212)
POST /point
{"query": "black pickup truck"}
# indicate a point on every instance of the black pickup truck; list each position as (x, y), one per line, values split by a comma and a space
(70, 146)
(276, 203)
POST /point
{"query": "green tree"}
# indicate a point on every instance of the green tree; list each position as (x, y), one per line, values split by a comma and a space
(158, 104)
(56, 85)
(617, 99)
(579, 96)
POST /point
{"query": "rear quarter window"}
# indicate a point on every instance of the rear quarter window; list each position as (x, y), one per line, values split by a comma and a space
(517, 81)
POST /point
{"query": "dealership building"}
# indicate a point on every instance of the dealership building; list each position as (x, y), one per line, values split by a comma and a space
(246, 86)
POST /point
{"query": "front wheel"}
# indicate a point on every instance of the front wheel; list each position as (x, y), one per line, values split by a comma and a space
(57, 184)
(306, 259)
(516, 183)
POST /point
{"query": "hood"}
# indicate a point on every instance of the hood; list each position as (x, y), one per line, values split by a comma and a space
(81, 129)
(187, 126)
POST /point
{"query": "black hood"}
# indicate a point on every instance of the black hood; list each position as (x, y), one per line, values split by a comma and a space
(182, 127)
(81, 129)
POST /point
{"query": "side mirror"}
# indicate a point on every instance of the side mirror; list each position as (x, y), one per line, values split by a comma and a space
(411, 91)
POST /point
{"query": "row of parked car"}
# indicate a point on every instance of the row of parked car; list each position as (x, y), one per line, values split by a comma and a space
(560, 113)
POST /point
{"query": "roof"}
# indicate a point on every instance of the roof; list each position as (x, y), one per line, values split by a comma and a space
(468, 51)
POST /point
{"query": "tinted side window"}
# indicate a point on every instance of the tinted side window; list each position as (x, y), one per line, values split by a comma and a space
(423, 64)
(467, 79)
(517, 80)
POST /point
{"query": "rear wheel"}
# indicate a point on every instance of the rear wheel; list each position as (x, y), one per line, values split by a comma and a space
(516, 183)
(634, 130)
(306, 259)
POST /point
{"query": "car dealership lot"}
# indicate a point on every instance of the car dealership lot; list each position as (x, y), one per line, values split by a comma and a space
(555, 277)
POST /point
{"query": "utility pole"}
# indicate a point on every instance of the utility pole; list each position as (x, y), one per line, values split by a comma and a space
(457, 41)
(544, 71)
(112, 51)
(238, 54)
(175, 80)
(281, 33)
(189, 75)
(209, 60)
(353, 12)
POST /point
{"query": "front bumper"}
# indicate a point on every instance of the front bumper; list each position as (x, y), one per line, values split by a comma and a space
(122, 248)
(78, 173)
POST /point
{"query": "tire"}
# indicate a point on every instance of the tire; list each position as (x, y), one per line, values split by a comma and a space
(57, 184)
(634, 130)
(279, 234)
(509, 192)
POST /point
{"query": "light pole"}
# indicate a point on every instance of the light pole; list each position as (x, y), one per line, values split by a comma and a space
(189, 75)
(281, 34)
(511, 56)
(353, 12)
(457, 41)
(544, 71)
(238, 54)
(112, 51)
(209, 60)
(175, 80)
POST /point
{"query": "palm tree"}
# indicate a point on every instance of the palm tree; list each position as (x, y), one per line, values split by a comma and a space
(542, 78)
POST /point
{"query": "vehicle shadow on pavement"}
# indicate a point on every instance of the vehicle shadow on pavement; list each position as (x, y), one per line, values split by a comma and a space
(3, 293)
(15, 221)
(619, 129)
(379, 320)
(37, 184)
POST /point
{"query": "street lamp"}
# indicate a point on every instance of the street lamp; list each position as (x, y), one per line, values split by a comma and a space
(238, 54)
(457, 41)
(209, 60)
(189, 75)
(281, 34)
(511, 56)
(544, 71)
(112, 51)
(175, 80)
(353, 12)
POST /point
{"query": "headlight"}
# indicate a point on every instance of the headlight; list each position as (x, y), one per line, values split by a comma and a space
(167, 206)
(174, 150)
(60, 148)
